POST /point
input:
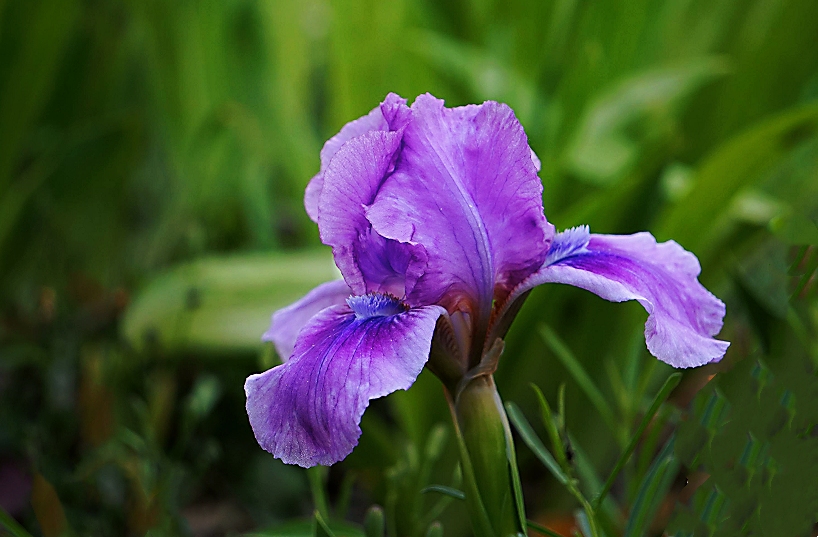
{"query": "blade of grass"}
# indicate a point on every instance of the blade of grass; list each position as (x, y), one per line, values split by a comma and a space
(10, 525)
(534, 443)
(316, 476)
(562, 474)
(561, 350)
(447, 491)
(341, 508)
(609, 515)
(435, 511)
(554, 430)
(321, 529)
(542, 530)
(652, 490)
(729, 168)
(672, 381)
(511, 455)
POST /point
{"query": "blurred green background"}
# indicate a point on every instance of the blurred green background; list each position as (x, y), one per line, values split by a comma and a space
(153, 157)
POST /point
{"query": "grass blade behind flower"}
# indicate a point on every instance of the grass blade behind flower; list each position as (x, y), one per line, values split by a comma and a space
(534, 443)
(672, 381)
(652, 491)
(561, 350)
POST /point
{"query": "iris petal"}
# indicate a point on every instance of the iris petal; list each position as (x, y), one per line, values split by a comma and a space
(466, 188)
(368, 261)
(288, 322)
(683, 316)
(307, 411)
(393, 111)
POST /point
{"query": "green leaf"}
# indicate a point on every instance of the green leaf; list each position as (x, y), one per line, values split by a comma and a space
(796, 228)
(437, 509)
(555, 431)
(515, 474)
(443, 489)
(10, 525)
(317, 476)
(672, 381)
(221, 304)
(561, 350)
(652, 491)
(33, 70)
(604, 149)
(534, 443)
(591, 482)
(735, 164)
(321, 527)
(542, 530)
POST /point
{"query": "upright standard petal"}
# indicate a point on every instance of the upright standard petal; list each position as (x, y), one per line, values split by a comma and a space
(393, 111)
(368, 261)
(307, 411)
(288, 322)
(683, 316)
(466, 188)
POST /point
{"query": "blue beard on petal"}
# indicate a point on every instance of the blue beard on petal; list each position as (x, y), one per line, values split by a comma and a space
(376, 305)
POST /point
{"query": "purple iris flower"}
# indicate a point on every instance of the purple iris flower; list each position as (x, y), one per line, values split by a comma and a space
(435, 220)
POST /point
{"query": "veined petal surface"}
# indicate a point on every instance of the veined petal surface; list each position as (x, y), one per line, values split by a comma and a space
(393, 110)
(308, 410)
(368, 261)
(683, 316)
(288, 322)
(466, 188)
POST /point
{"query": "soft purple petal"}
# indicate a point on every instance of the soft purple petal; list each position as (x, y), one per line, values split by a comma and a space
(307, 411)
(536, 160)
(393, 110)
(369, 262)
(683, 316)
(466, 188)
(288, 322)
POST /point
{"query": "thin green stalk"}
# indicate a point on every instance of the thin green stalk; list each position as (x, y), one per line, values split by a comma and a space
(534, 443)
(584, 381)
(672, 381)
(316, 478)
(10, 525)
(562, 470)
(541, 529)
(586, 506)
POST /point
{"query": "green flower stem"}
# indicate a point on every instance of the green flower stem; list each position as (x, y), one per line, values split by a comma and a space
(482, 429)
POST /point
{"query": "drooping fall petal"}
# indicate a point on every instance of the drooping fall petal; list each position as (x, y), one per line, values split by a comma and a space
(288, 322)
(683, 316)
(307, 411)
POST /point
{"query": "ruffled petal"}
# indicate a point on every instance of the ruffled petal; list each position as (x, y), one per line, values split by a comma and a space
(393, 111)
(368, 261)
(466, 188)
(683, 316)
(307, 411)
(288, 322)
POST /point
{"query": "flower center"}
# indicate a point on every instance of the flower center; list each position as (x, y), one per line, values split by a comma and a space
(376, 305)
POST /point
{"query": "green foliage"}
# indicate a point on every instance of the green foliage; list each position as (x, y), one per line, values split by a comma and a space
(152, 166)
(759, 451)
